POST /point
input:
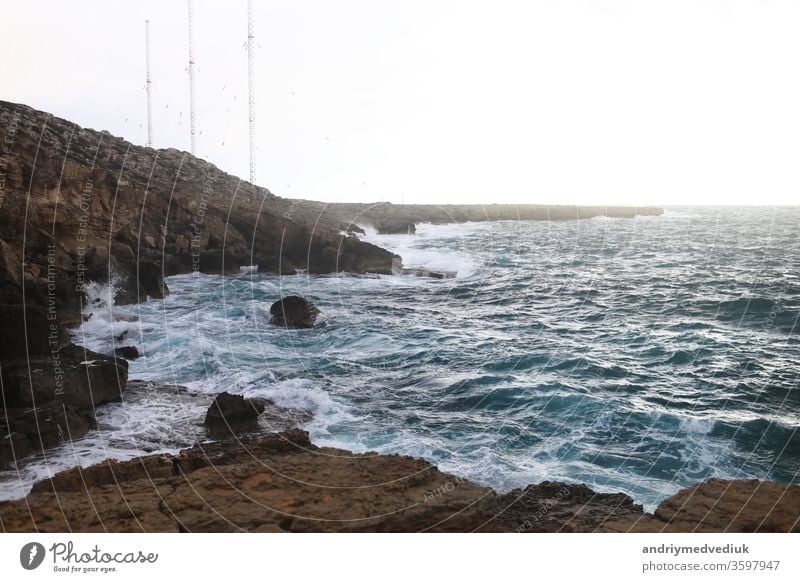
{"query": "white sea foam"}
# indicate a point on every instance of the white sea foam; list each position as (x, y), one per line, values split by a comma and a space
(416, 251)
(104, 328)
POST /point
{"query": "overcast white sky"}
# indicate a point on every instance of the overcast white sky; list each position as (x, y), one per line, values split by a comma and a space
(558, 101)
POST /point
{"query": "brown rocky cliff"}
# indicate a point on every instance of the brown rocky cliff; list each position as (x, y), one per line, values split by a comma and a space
(284, 483)
(80, 206)
(83, 204)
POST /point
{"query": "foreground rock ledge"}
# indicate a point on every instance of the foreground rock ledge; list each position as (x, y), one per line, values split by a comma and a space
(284, 483)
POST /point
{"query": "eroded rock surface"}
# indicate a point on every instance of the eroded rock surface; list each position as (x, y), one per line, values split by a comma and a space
(560, 507)
(72, 375)
(294, 311)
(32, 430)
(733, 506)
(275, 483)
(283, 482)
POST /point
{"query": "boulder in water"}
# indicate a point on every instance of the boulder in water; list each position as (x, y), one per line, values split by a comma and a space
(294, 311)
(128, 352)
(423, 272)
(233, 412)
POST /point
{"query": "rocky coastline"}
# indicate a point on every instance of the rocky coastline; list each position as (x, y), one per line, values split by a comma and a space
(80, 207)
(388, 218)
(282, 482)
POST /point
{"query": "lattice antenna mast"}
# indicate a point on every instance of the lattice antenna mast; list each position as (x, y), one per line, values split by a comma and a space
(251, 87)
(192, 128)
(149, 85)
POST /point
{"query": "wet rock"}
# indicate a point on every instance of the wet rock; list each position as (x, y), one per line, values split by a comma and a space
(128, 352)
(275, 483)
(423, 272)
(278, 418)
(733, 506)
(13, 447)
(293, 311)
(234, 412)
(559, 507)
(73, 376)
(283, 482)
(396, 226)
(362, 257)
(140, 281)
(24, 431)
(26, 331)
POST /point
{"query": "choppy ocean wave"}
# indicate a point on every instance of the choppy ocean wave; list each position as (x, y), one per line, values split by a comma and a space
(635, 355)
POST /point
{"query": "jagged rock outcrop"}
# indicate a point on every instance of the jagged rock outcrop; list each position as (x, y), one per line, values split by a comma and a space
(72, 375)
(128, 352)
(733, 506)
(30, 430)
(275, 483)
(49, 397)
(81, 205)
(234, 412)
(293, 311)
(559, 507)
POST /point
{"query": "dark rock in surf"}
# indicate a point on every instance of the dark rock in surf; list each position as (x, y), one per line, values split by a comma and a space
(234, 412)
(550, 507)
(32, 430)
(128, 352)
(71, 375)
(355, 229)
(422, 272)
(390, 226)
(293, 311)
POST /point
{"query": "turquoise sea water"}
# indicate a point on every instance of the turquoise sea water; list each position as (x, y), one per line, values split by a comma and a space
(636, 355)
